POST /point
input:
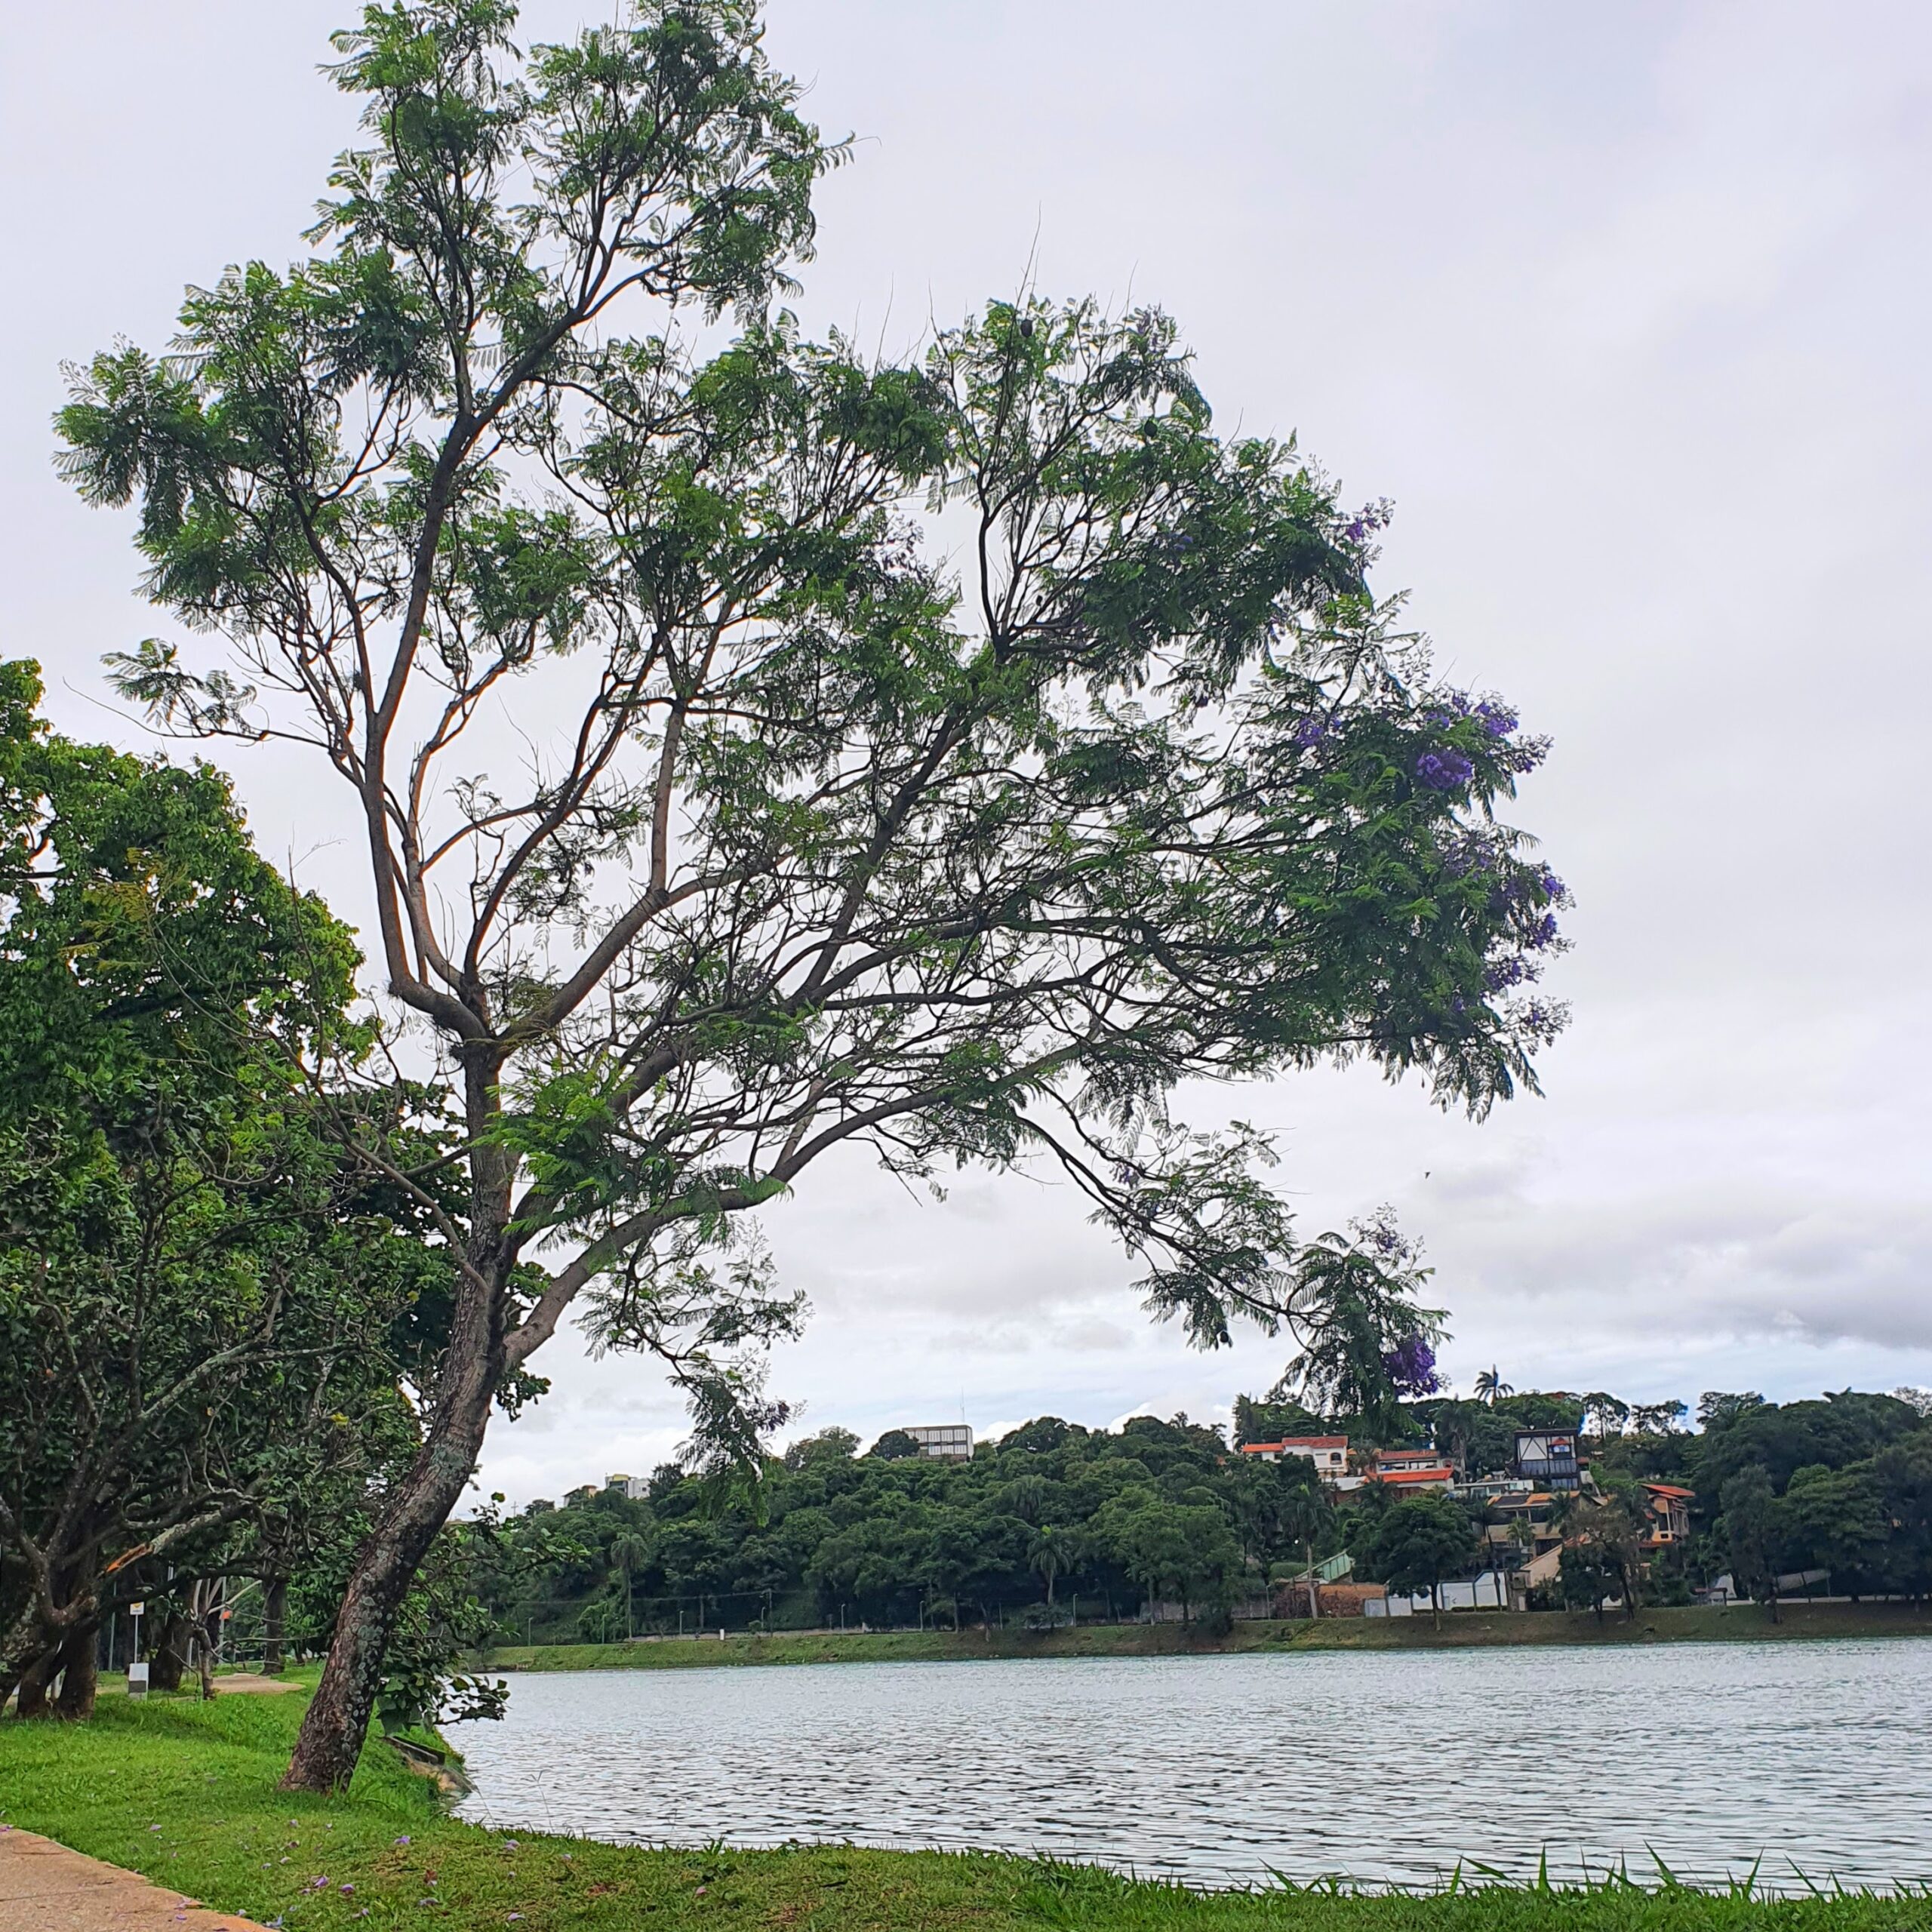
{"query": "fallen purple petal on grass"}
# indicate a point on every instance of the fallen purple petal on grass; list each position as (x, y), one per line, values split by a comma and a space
(404, 1839)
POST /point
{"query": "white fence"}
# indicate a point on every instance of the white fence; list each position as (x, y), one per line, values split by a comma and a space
(1490, 1590)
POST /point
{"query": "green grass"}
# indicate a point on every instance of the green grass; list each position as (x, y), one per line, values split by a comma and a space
(185, 1792)
(1743, 1623)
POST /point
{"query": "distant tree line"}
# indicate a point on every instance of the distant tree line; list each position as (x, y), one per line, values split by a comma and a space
(1055, 1519)
(1052, 1518)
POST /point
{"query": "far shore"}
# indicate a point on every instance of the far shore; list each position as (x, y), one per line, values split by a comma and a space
(1460, 1629)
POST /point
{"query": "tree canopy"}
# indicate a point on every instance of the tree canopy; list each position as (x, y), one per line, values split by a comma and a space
(201, 1298)
(953, 756)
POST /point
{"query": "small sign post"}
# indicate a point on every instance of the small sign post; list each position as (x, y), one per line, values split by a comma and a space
(137, 1667)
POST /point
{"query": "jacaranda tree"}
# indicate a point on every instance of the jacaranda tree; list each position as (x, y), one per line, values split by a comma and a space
(758, 749)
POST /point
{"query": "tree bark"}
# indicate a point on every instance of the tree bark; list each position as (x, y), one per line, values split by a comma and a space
(474, 1364)
(275, 1611)
(34, 1682)
(337, 1720)
(168, 1654)
(80, 1676)
(21, 1649)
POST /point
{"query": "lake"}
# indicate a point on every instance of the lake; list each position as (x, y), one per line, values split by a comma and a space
(1388, 1765)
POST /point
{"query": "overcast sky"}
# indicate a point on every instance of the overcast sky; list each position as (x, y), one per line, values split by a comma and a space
(1626, 309)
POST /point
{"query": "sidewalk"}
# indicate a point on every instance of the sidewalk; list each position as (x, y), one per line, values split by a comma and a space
(45, 1887)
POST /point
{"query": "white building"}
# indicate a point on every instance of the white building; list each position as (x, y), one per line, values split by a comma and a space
(945, 1442)
(1329, 1454)
(636, 1487)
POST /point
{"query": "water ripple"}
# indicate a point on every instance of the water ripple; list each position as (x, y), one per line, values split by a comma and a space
(1385, 1766)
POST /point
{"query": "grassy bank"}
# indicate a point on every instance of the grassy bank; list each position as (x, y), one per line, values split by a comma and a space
(1461, 1630)
(185, 1792)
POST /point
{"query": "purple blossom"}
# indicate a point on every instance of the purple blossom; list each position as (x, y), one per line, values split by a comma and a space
(1541, 933)
(1498, 719)
(1443, 771)
(1410, 1367)
(1309, 733)
(1367, 520)
(1501, 972)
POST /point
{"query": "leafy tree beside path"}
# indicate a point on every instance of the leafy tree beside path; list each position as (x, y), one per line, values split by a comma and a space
(200, 1297)
(757, 750)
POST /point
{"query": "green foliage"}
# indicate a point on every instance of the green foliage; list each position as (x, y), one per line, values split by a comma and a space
(1052, 1516)
(1783, 1438)
(204, 1297)
(1416, 1543)
(1154, 789)
(964, 852)
(1353, 1298)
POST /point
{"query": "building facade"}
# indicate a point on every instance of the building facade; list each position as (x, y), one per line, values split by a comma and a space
(1329, 1454)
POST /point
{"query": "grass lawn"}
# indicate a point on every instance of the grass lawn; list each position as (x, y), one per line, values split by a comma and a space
(1460, 1629)
(185, 1792)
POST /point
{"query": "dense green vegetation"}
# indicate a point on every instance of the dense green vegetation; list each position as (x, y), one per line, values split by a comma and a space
(186, 1793)
(1056, 1521)
(207, 1304)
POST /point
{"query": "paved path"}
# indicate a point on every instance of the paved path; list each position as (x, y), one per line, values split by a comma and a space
(45, 1887)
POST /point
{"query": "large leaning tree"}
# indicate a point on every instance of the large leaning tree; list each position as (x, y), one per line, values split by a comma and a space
(759, 749)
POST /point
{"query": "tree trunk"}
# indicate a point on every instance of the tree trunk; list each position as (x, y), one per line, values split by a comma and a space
(1313, 1601)
(79, 1670)
(275, 1611)
(337, 1720)
(34, 1682)
(167, 1655)
(20, 1651)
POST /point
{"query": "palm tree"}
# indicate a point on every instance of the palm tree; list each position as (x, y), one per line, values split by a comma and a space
(630, 1552)
(1490, 1387)
(1304, 1516)
(1048, 1553)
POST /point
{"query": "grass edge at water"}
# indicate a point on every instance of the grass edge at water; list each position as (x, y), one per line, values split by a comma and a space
(185, 1793)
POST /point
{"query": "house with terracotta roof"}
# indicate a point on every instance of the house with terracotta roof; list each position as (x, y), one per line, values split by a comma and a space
(1667, 1511)
(1329, 1454)
(1414, 1468)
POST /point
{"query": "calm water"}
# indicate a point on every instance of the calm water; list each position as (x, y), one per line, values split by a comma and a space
(1385, 1766)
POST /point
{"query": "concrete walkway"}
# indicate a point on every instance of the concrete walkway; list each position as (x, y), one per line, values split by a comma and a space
(45, 1887)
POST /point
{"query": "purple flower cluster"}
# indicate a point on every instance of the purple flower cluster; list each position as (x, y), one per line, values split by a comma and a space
(1501, 972)
(1367, 521)
(1309, 733)
(1410, 1367)
(1445, 771)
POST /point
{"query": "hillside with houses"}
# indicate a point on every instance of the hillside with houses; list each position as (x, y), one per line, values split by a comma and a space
(1537, 1501)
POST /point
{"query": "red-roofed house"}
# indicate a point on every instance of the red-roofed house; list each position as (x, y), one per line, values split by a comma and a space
(1329, 1454)
(1414, 1468)
(1668, 1508)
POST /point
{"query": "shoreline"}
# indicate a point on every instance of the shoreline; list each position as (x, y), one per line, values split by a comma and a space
(1461, 1630)
(185, 1794)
